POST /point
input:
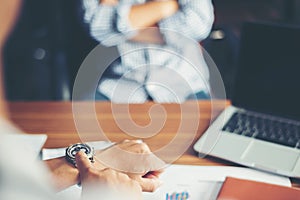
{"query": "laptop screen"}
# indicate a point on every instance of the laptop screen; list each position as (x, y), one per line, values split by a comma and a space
(268, 75)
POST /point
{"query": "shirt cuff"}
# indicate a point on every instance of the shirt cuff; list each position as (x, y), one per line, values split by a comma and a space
(122, 23)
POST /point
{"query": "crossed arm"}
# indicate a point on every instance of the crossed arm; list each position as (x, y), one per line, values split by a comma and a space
(110, 17)
(147, 14)
(192, 18)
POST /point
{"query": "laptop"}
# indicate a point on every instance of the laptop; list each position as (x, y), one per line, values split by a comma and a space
(261, 129)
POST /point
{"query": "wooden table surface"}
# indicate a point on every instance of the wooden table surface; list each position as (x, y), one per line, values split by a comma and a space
(118, 121)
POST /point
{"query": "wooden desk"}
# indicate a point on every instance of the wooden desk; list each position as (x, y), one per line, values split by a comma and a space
(56, 120)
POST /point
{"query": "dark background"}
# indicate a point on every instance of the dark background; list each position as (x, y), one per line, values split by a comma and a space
(50, 41)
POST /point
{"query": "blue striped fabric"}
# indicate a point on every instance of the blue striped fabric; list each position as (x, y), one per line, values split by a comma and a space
(168, 72)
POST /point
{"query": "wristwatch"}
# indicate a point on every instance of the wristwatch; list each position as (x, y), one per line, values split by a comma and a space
(72, 150)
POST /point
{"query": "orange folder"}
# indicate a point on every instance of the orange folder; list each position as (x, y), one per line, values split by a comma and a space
(239, 189)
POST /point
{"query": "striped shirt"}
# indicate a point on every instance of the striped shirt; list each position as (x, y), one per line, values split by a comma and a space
(168, 72)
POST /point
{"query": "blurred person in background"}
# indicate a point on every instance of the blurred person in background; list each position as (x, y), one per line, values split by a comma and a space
(153, 39)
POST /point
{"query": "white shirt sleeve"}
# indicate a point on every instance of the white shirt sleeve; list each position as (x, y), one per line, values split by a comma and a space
(108, 24)
(194, 19)
(22, 176)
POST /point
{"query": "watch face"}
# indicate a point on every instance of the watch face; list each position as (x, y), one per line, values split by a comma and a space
(72, 150)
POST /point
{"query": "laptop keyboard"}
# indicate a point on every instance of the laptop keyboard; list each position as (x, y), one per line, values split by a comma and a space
(263, 128)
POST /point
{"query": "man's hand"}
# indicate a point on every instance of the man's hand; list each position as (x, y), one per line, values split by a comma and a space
(135, 159)
(105, 183)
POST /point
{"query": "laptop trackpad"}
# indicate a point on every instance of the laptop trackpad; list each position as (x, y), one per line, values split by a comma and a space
(270, 156)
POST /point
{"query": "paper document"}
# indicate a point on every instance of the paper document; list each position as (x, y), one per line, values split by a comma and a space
(204, 182)
(31, 142)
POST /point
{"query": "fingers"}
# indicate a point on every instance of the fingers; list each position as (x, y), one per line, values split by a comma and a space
(148, 184)
(83, 163)
(130, 156)
(153, 174)
(108, 184)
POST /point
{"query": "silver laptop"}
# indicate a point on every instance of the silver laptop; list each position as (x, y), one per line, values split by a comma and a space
(262, 127)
